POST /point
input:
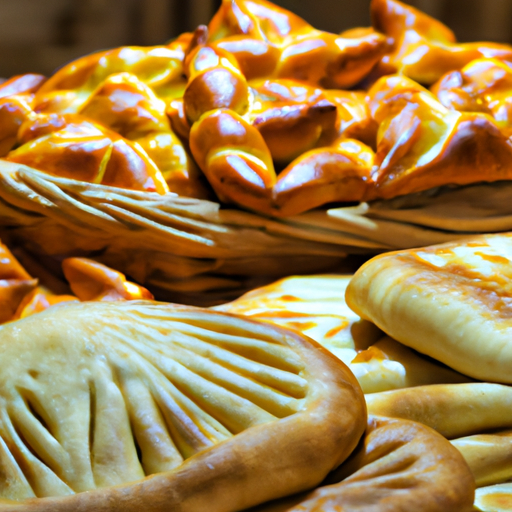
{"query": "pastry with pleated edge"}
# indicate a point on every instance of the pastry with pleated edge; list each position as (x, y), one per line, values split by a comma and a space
(138, 405)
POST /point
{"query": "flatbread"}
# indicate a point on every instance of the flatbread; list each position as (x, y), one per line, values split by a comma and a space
(150, 406)
(452, 302)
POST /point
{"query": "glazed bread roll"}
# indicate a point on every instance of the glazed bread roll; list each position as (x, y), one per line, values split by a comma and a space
(449, 301)
(156, 407)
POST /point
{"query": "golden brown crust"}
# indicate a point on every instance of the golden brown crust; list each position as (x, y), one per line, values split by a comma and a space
(301, 447)
(399, 466)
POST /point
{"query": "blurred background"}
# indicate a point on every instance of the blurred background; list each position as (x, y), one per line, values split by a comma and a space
(40, 36)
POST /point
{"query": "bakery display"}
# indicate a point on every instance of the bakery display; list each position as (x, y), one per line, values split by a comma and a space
(252, 166)
(258, 138)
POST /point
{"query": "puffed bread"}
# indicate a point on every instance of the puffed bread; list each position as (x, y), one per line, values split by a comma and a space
(450, 301)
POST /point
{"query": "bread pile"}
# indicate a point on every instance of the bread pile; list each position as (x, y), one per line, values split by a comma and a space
(257, 147)
(258, 138)
(441, 357)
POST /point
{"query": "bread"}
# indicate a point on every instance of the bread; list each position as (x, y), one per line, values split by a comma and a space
(400, 465)
(453, 410)
(315, 306)
(495, 498)
(489, 456)
(448, 301)
(422, 47)
(143, 404)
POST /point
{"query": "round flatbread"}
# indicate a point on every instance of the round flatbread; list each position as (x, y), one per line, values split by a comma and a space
(156, 407)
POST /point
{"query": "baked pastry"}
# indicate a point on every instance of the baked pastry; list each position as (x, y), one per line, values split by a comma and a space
(399, 465)
(422, 47)
(15, 284)
(22, 295)
(489, 455)
(157, 406)
(453, 410)
(448, 301)
(495, 498)
(315, 306)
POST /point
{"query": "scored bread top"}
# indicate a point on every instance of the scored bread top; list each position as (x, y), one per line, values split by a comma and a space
(95, 395)
(452, 302)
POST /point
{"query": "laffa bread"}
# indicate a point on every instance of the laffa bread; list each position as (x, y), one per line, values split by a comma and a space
(399, 465)
(449, 301)
(124, 406)
(315, 306)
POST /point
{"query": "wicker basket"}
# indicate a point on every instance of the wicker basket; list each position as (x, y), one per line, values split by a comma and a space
(197, 252)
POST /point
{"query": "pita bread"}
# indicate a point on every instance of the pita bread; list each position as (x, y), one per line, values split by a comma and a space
(450, 301)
